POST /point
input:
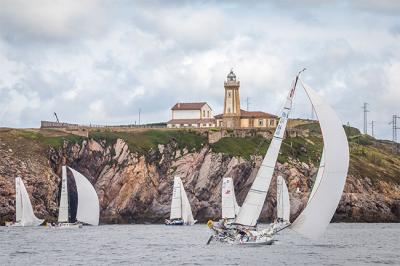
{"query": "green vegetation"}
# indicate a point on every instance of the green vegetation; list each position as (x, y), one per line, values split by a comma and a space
(244, 147)
(143, 141)
(48, 138)
(306, 150)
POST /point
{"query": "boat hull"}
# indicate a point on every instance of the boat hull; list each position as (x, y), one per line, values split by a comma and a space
(67, 225)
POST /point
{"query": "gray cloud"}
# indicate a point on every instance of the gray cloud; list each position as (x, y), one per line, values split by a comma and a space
(99, 61)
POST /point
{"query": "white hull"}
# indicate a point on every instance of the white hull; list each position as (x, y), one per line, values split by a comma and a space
(67, 225)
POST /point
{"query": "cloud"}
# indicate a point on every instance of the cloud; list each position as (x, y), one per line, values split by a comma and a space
(100, 62)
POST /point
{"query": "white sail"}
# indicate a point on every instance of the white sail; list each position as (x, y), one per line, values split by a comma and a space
(26, 215)
(319, 176)
(18, 200)
(88, 202)
(230, 208)
(187, 215)
(283, 202)
(318, 213)
(176, 203)
(252, 206)
(63, 216)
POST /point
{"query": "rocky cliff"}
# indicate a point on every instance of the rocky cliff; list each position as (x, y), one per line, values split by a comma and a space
(133, 173)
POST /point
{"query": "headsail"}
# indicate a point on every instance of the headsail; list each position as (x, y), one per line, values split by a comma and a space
(63, 216)
(18, 200)
(252, 206)
(25, 212)
(321, 207)
(187, 215)
(176, 204)
(283, 202)
(88, 201)
(319, 176)
(230, 208)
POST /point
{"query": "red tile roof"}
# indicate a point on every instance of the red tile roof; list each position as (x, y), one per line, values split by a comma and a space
(191, 121)
(250, 114)
(188, 106)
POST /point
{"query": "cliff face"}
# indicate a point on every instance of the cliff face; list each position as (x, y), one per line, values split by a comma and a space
(136, 186)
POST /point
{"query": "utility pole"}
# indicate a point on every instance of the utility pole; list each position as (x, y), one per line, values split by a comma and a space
(247, 103)
(365, 108)
(372, 128)
(139, 116)
(395, 128)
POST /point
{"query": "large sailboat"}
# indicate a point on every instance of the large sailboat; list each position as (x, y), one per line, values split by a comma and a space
(230, 208)
(327, 189)
(181, 212)
(88, 210)
(24, 215)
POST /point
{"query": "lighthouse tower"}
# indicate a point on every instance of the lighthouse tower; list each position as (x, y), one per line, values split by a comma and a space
(231, 115)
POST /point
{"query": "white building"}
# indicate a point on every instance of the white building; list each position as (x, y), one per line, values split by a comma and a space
(191, 115)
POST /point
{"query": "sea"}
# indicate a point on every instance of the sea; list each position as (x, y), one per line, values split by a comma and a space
(342, 244)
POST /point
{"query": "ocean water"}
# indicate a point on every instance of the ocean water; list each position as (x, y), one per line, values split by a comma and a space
(342, 244)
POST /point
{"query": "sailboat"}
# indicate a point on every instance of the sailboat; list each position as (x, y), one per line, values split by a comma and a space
(230, 208)
(282, 205)
(88, 203)
(181, 212)
(327, 189)
(24, 215)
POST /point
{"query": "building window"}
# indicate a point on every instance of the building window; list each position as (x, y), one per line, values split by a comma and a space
(208, 114)
(229, 94)
(260, 122)
(229, 110)
(204, 113)
(271, 122)
(204, 125)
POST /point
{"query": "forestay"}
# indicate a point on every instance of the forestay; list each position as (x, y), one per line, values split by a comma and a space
(252, 206)
(187, 215)
(283, 202)
(63, 216)
(88, 203)
(313, 221)
(230, 208)
(24, 211)
(176, 204)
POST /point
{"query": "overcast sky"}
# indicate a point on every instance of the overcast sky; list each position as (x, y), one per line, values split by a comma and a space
(100, 61)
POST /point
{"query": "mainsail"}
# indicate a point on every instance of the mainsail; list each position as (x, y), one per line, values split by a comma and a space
(24, 210)
(321, 207)
(63, 216)
(230, 208)
(252, 206)
(176, 204)
(88, 203)
(283, 202)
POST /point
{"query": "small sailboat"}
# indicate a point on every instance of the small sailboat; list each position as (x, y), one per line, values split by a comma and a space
(24, 215)
(88, 203)
(181, 212)
(230, 208)
(282, 205)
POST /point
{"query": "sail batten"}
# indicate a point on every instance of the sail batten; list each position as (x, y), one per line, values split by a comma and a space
(321, 207)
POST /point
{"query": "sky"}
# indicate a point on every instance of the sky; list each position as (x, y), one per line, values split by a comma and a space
(99, 62)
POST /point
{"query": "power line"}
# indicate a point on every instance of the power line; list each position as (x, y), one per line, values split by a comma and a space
(365, 108)
(395, 128)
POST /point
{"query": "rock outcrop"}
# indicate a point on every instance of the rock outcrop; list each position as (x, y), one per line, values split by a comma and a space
(135, 187)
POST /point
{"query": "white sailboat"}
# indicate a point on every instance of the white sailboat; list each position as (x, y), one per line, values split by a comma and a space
(24, 215)
(282, 204)
(327, 189)
(230, 208)
(88, 203)
(181, 212)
